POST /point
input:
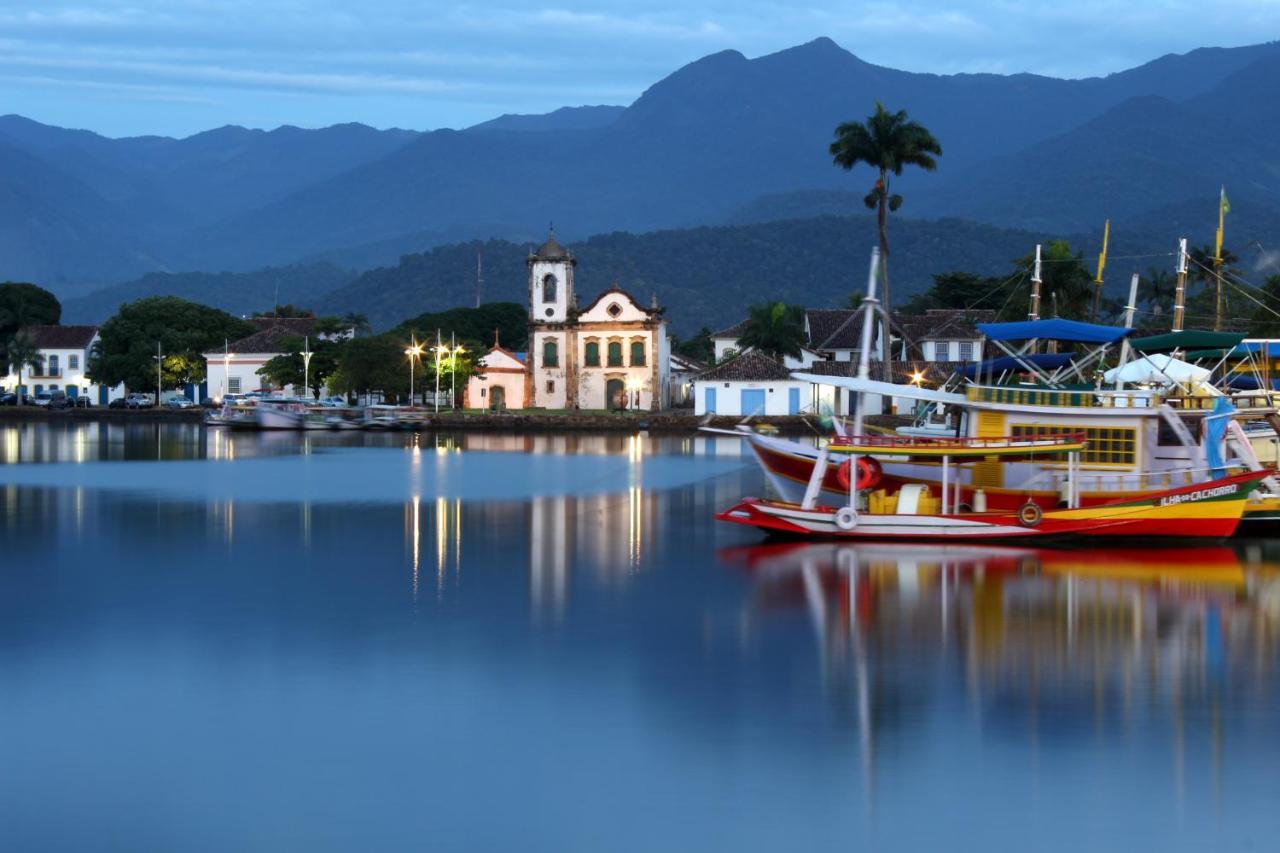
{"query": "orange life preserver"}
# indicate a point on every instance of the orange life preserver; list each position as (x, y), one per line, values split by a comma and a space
(869, 473)
(1030, 514)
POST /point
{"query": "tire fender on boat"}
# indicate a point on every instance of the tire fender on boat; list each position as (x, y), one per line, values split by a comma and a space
(1030, 514)
(846, 518)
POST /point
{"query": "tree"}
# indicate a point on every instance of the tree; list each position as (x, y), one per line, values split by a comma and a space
(963, 290)
(21, 305)
(290, 368)
(22, 353)
(1265, 322)
(358, 323)
(699, 348)
(509, 320)
(184, 330)
(371, 364)
(887, 142)
(1066, 288)
(287, 310)
(1203, 274)
(775, 329)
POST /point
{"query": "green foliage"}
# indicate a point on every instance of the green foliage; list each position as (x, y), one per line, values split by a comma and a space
(700, 347)
(21, 355)
(290, 368)
(185, 331)
(775, 329)
(475, 326)
(1066, 289)
(23, 304)
(887, 142)
(965, 290)
(288, 310)
(368, 364)
(1264, 321)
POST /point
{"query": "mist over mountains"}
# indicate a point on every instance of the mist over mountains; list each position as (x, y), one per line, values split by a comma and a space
(723, 140)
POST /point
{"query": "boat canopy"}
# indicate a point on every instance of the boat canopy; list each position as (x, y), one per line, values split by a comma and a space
(1157, 368)
(1055, 329)
(1044, 361)
(1271, 349)
(885, 389)
(1186, 341)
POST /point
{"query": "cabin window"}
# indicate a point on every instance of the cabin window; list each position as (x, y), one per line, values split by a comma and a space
(549, 288)
(637, 353)
(593, 354)
(233, 385)
(1105, 445)
(966, 350)
(615, 353)
(1166, 437)
(550, 354)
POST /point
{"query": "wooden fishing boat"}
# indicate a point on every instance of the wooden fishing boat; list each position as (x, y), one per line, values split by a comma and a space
(1208, 507)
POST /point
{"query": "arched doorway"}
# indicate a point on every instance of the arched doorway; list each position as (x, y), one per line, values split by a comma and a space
(615, 394)
(497, 398)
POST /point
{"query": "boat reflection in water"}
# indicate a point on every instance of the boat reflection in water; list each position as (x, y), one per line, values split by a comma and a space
(1053, 641)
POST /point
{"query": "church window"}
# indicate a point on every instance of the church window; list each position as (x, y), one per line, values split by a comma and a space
(614, 309)
(615, 353)
(637, 353)
(549, 288)
(593, 354)
(550, 354)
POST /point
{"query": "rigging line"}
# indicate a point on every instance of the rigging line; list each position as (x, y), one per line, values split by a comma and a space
(1019, 274)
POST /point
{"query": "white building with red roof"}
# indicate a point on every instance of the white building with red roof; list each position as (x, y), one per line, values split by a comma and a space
(64, 364)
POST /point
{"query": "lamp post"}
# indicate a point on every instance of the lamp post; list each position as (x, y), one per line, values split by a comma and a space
(456, 350)
(439, 351)
(413, 352)
(159, 363)
(306, 366)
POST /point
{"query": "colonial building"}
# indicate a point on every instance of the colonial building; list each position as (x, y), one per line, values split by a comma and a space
(64, 361)
(234, 368)
(751, 383)
(499, 382)
(613, 354)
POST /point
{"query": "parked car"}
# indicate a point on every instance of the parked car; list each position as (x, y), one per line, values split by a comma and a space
(82, 401)
(60, 400)
(333, 402)
(119, 403)
(8, 398)
(179, 403)
(43, 399)
(138, 401)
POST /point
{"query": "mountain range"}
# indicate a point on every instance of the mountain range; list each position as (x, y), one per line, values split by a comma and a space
(723, 140)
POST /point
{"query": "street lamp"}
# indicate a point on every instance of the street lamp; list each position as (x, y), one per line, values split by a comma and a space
(159, 362)
(306, 367)
(453, 369)
(413, 352)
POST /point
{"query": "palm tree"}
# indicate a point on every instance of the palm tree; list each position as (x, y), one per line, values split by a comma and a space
(23, 353)
(888, 142)
(358, 323)
(775, 329)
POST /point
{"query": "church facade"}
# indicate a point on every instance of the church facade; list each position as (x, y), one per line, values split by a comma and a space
(613, 354)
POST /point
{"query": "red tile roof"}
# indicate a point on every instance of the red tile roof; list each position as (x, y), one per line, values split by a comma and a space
(62, 337)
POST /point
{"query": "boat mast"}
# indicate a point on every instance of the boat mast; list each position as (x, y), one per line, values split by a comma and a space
(1035, 288)
(1129, 311)
(1097, 279)
(1180, 295)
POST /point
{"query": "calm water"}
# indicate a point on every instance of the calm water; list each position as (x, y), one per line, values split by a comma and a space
(213, 642)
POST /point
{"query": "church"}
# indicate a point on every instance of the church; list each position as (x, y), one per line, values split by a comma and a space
(612, 354)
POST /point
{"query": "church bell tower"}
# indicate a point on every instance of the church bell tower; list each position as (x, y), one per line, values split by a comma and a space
(550, 282)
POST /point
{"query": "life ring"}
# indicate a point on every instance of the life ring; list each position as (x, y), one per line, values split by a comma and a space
(846, 518)
(1030, 514)
(869, 473)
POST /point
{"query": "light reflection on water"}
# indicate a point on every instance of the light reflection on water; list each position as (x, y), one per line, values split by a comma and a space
(605, 671)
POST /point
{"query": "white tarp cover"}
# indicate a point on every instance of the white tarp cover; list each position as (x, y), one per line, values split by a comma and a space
(885, 389)
(1158, 369)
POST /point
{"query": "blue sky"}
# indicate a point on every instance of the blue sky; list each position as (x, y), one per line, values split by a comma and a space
(125, 67)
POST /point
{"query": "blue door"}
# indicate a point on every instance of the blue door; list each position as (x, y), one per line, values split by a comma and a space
(753, 401)
(711, 399)
(72, 391)
(103, 395)
(793, 401)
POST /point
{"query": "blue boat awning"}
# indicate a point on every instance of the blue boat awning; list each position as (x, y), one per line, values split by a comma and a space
(1270, 348)
(1053, 330)
(1044, 361)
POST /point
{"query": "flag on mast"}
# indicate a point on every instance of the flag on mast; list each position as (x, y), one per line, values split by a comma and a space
(1224, 207)
(1102, 256)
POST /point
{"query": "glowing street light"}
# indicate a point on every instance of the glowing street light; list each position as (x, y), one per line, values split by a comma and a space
(917, 378)
(413, 352)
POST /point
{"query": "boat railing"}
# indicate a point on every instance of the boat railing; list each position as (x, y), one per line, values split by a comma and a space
(1013, 395)
(898, 441)
(1132, 481)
